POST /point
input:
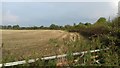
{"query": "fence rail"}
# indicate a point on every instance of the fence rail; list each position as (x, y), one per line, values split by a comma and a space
(48, 58)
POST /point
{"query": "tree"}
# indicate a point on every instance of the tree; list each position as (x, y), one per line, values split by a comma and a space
(87, 24)
(35, 27)
(9, 26)
(101, 20)
(53, 26)
(16, 27)
(41, 27)
(4, 27)
(74, 24)
(67, 26)
(80, 23)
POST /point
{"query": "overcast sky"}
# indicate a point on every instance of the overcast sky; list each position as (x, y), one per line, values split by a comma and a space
(61, 13)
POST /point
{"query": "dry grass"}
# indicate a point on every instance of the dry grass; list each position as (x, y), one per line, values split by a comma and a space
(24, 44)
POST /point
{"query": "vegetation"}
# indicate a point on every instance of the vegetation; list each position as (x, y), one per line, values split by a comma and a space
(108, 35)
(100, 35)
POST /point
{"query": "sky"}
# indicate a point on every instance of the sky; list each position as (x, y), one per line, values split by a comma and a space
(60, 13)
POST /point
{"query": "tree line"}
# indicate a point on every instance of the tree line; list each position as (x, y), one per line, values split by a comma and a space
(51, 27)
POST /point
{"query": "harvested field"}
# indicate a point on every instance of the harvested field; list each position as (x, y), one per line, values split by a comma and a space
(25, 44)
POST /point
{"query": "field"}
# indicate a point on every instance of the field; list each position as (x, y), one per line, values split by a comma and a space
(26, 44)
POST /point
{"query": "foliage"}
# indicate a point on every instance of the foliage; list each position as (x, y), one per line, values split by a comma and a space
(15, 27)
(101, 20)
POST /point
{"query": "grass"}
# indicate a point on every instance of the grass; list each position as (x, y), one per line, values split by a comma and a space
(22, 44)
(26, 44)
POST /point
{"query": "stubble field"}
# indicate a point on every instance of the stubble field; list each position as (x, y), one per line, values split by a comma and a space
(26, 44)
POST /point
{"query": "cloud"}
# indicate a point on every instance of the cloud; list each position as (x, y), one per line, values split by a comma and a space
(41, 13)
(10, 18)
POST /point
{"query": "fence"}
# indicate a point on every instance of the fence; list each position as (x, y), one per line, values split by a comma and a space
(48, 58)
